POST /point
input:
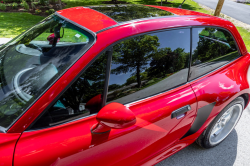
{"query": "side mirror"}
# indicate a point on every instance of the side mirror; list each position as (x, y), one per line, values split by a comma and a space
(113, 115)
(94, 104)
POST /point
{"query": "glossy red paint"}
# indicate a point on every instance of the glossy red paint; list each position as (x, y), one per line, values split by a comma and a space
(178, 11)
(7, 146)
(166, 153)
(116, 115)
(232, 83)
(76, 145)
(88, 18)
(95, 103)
(73, 143)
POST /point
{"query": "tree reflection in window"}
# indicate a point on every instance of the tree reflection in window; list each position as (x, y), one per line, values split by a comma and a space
(211, 48)
(149, 64)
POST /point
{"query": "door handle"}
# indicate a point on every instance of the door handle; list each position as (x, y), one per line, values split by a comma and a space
(179, 113)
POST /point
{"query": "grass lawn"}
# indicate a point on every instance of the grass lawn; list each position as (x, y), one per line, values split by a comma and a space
(246, 37)
(12, 24)
(188, 4)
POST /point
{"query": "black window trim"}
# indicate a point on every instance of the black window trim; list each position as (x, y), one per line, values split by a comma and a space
(128, 104)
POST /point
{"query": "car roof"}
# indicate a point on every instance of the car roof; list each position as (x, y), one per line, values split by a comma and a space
(96, 18)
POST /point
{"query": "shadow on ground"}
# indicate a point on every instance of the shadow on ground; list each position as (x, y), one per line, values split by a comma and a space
(221, 155)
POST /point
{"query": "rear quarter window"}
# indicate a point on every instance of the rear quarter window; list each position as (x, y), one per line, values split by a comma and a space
(211, 48)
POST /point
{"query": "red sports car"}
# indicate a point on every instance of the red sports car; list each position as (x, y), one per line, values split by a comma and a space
(119, 85)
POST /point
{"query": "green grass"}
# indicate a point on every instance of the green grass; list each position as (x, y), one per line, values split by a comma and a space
(189, 4)
(12, 24)
(246, 36)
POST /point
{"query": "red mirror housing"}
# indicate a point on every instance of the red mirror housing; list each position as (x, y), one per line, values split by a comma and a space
(114, 115)
(94, 104)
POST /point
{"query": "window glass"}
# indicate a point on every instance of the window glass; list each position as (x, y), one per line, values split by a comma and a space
(148, 64)
(30, 63)
(211, 48)
(82, 98)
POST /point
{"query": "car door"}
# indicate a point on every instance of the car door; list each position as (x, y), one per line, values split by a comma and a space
(148, 74)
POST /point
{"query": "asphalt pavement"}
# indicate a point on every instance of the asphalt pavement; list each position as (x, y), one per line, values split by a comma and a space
(231, 8)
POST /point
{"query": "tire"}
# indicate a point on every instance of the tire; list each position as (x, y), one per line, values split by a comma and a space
(222, 125)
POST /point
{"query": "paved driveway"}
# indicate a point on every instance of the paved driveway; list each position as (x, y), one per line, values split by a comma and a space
(235, 10)
(234, 151)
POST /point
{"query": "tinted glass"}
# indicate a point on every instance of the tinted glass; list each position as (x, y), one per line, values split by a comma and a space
(81, 99)
(149, 64)
(121, 13)
(211, 48)
(31, 62)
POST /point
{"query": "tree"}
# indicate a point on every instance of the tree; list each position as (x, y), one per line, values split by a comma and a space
(212, 44)
(165, 61)
(123, 13)
(60, 4)
(218, 8)
(134, 55)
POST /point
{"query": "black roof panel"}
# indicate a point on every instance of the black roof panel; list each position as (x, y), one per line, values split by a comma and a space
(122, 13)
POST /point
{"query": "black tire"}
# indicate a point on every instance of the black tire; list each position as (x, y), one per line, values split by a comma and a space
(204, 140)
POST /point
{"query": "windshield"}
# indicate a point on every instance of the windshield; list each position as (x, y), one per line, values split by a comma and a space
(30, 63)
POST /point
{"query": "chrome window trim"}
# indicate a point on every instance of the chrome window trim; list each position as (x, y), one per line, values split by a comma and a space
(3, 130)
(82, 53)
(60, 123)
(134, 102)
(126, 105)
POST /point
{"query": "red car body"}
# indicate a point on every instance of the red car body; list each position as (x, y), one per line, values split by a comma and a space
(154, 136)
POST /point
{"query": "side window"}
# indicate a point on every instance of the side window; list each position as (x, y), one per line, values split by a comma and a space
(148, 64)
(82, 98)
(211, 48)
